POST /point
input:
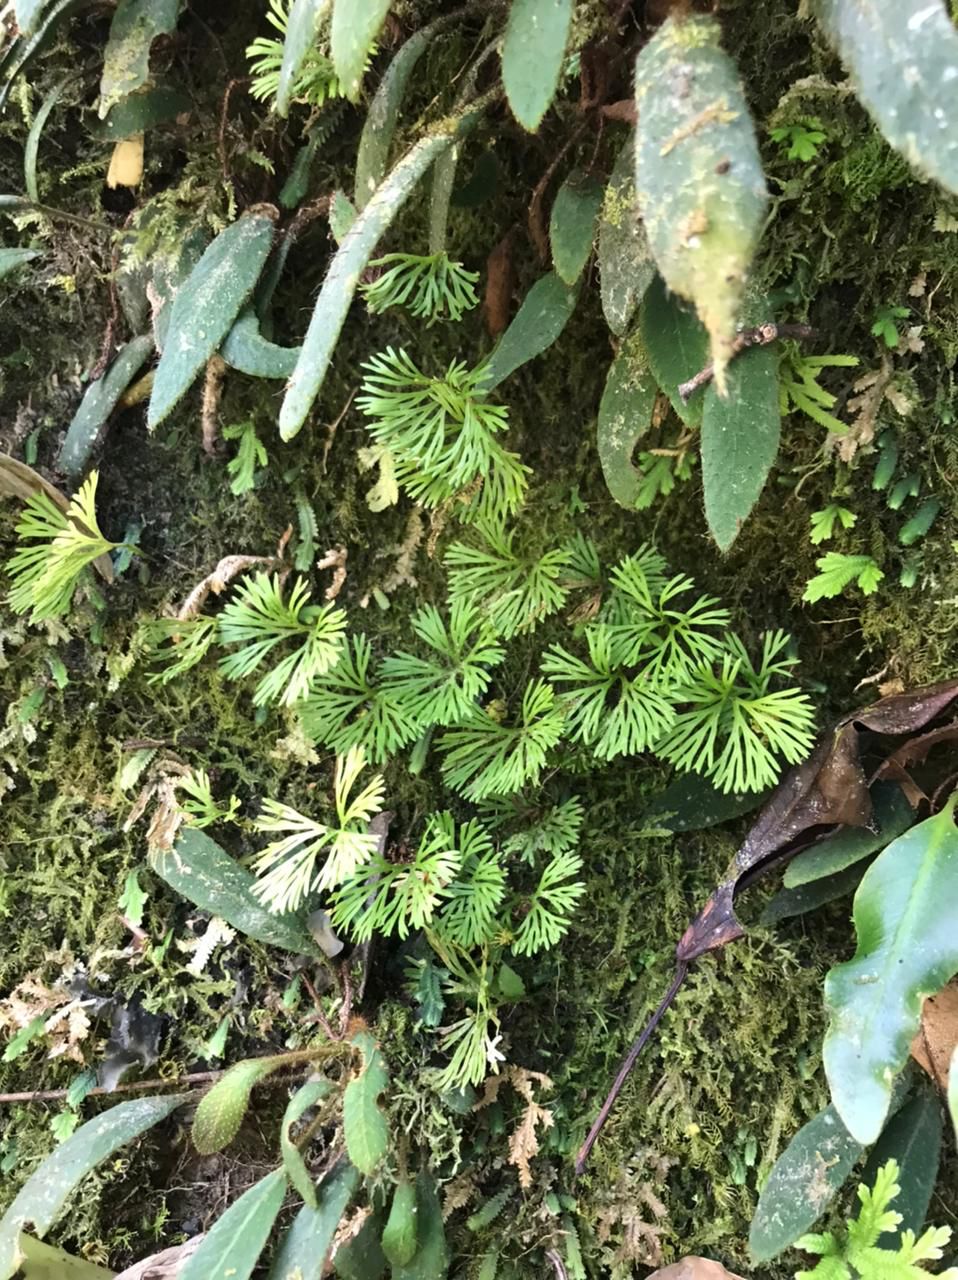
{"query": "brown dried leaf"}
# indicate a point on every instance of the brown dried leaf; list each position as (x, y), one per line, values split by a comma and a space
(871, 388)
(524, 1142)
(693, 1268)
(216, 582)
(500, 282)
(937, 1040)
(163, 1266)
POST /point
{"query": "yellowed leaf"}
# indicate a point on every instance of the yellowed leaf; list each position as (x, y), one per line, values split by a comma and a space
(693, 1268)
(126, 163)
(933, 1046)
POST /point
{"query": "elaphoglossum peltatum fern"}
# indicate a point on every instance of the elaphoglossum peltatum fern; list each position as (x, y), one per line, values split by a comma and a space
(175, 645)
(546, 914)
(551, 829)
(289, 868)
(858, 1256)
(259, 618)
(55, 548)
(195, 797)
(316, 82)
(470, 917)
(516, 592)
(430, 286)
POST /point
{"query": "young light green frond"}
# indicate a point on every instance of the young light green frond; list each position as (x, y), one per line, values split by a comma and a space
(431, 286)
(316, 82)
(641, 576)
(825, 522)
(251, 456)
(364, 806)
(258, 618)
(485, 757)
(200, 806)
(470, 917)
(554, 830)
(669, 641)
(176, 646)
(515, 592)
(837, 571)
(45, 575)
(549, 910)
(473, 1047)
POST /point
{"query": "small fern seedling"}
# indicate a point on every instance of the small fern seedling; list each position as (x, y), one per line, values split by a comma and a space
(431, 286)
(288, 870)
(470, 917)
(514, 591)
(201, 808)
(176, 645)
(259, 619)
(55, 548)
(251, 457)
(316, 82)
(547, 913)
(837, 571)
(799, 389)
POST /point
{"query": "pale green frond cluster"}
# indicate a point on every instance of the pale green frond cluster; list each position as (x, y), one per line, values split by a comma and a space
(799, 389)
(430, 286)
(550, 906)
(516, 591)
(837, 571)
(55, 548)
(195, 798)
(316, 83)
(176, 645)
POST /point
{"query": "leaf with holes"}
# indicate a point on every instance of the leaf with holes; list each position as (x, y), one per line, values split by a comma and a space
(126, 61)
(677, 347)
(907, 949)
(364, 1124)
(537, 324)
(231, 1247)
(355, 27)
(220, 1112)
(532, 51)
(698, 173)
(572, 224)
(206, 305)
(302, 1253)
(626, 268)
(625, 416)
(306, 1096)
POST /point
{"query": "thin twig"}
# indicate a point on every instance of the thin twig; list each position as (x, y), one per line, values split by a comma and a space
(137, 1086)
(557, 1264)
(760, 336)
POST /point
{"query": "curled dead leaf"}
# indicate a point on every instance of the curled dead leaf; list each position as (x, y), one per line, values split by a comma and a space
(936, 1042)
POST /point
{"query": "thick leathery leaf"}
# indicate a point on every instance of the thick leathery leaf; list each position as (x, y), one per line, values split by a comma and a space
(231, 1247)
(244, 348)
(44, 1262)
(625, 415)
(913, 1139)
(220, 1112)
(809, 897)
(572, 224)
(302, 1253)
(206, 305)
(803, 1181)
(626, 268)
(362, 1258)
(698, 173)
(301, 28)
(903, 56)
(12, 259)
(28, 14)
(532, 52)
(142, 111)
(431, 1259)
(907, 949)
(126, 61)
(891, 815)
(45, 1192)
(306, 1096)
(99, 401)
(355, 27)
(677, 346)
(953, 1091)
(740, 435)
(544, 313)
(364, 1124)
(202, 872)
(399, 1233)
(691, 802)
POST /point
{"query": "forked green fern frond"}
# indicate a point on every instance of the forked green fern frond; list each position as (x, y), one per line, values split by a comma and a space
(431, 286)
(516, 592)
(201, 808)
(471, 915)
(553, 829)
(316, 83)
(547, 913)
(176, 645)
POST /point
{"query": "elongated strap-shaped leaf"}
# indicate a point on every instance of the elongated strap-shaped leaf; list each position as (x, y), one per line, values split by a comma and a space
(891, 815)
(431, 1259)
(626, 268)
(244, 348)
(809, 897)
(544, 313)
(45, 1262)
(302, 1254)
(28, 14)
(354, 253)
(364, 1125)
(572, 224)
(532, 52)
(907, 949)
(677, 346)
(625, 415)
(903, 56)
(205, 874)
(231, 1247)
(740, 435)
(306, 1096)
(126, 62)
(99, 401)
(32, 145)
(47, 1190)
(301, 28)
(12, 259)
(220, 1112)
(912, 1138)
(399, 1234)
(698, 173)
(953, 1090)
(206, 305)
(355, 27)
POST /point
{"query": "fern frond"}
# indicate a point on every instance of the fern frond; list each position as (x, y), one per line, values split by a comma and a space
(516, 592)
(175, 646)
(548, 911)
(431, 286)
(552, 830)
(670, 642)
(258, 618)
(473, 1047)
(201, 808)
(470, 917)
(316, 82)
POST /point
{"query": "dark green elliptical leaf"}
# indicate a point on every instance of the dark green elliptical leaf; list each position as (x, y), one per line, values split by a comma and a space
(431, 1259)
(221, 1111)
(907, 949)
(99, 401)
(892, 815)
(399, 1233)
(903, 56)
(625, 260)
(206, 305)
(677, 346)
(699, 176)
(537, 324)
(231, 1247)
(572, 224)
(364, 1124)
(306, 1096)
(536, 35)
(625, 415)
(912, 1138)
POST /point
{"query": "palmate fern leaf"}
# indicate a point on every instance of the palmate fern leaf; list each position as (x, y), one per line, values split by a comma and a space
(431, 286)
(669, 641)
(176, 645)
(551, 829)
(516, 592)
(547, 913)
(316, 83)
(470, 917)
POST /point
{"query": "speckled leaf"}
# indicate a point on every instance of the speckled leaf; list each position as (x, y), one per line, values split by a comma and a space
(626, 268)
(206, 305)
(802, 1183)
(532, 54)
(306, 1096)
(12, 259)
(302, 1253)
(891, 815)
(220, 1112)
(913, 1139)
(126, 62)
(244, 348)
(625, 415)
(301, 27)
(677, 347)
(231, 1247)
(903, 57)
(99, 401)
(698, 172)
(48, 1188)
(355, 27)
(431, 1259)
(544, 313)
(206, 875)
(907, 949)
(364, 1124)
(399, 1233)
(572, 224)
(739, 438)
